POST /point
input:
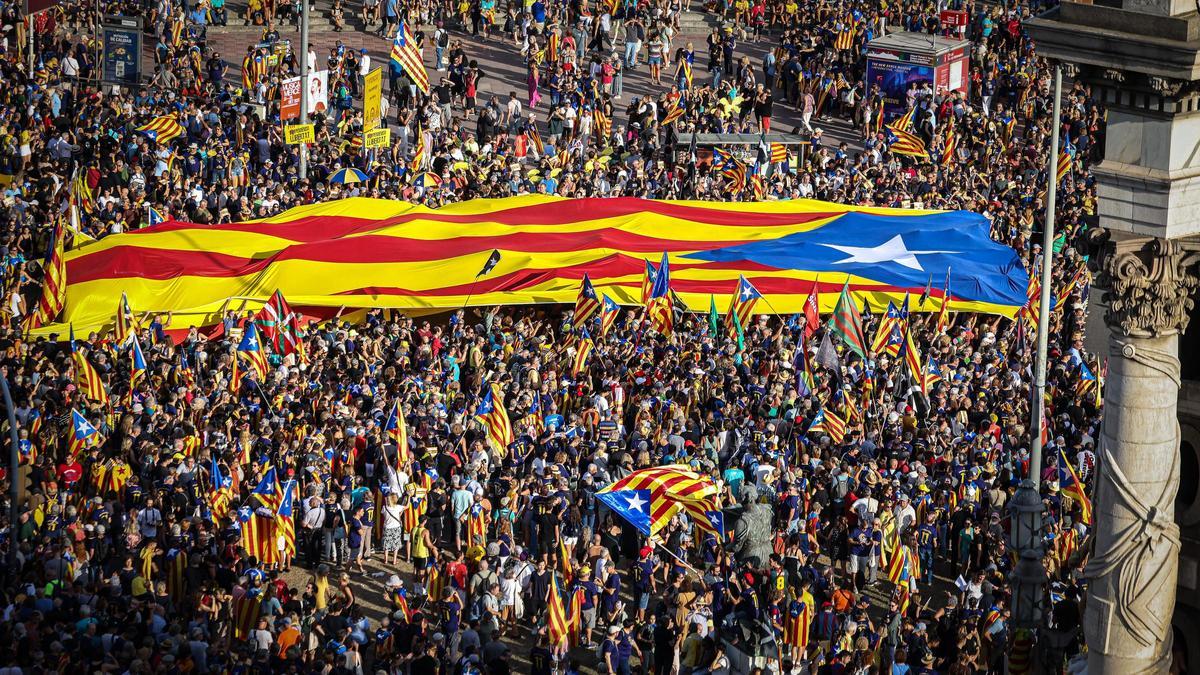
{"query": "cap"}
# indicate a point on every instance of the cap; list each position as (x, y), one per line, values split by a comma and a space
(645, 551)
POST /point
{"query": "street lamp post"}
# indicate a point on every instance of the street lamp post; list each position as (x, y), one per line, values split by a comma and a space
(14, 466)
(303, 172)
(1029, 576)
(1026, 538)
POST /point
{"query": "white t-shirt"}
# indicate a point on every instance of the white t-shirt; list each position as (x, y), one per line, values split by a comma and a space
(510, 589)
(514, 109)
(263, 639)
(392, 516)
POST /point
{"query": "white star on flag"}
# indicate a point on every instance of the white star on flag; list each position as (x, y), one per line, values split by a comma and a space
(893, 250)
(636, 503)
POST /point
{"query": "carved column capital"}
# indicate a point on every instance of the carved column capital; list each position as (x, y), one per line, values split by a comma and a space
(1148, 285)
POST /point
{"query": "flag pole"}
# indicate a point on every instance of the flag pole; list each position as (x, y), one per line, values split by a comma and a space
(659, 545)
(471, 291)
(266, 399)
(1027, 503)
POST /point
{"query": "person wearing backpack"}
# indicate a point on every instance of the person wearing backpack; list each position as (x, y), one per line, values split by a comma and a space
(482, 580)
(441, 41)
(643, 580)
(610, 651)
(489, 622)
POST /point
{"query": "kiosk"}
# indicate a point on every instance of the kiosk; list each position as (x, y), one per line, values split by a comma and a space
(899, 60)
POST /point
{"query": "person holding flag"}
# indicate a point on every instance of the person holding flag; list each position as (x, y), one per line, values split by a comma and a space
(587, 305)
(608, 315)
(659, 310)
(137, 370)
(251, 350)
(285, 525)
(741, 307)
(87, 379)
(492, 415)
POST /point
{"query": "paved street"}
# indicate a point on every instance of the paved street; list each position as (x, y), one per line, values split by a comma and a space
(498, 57)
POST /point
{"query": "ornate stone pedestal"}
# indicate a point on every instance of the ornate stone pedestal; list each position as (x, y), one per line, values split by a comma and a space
(1133, 569)
(1140, 59)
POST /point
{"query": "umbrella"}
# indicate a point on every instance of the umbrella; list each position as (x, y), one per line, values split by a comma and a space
(347, 176)
(427, 179)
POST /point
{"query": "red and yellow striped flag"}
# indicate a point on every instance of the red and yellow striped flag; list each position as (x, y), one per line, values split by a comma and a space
(560, 629)
(587, 305)
(54, 284)
(406, 54)
(246, 609)
(583, 350)
(796, 625)
(162, 129)
(259, 538)
(365, 253)
(87, 379)
(397, 430)
(494, 417)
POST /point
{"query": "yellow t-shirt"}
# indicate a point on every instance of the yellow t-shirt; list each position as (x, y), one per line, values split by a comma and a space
(322, 586)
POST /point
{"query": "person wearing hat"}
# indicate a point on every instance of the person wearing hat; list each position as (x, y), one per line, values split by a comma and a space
(906, 515)
(644, 583)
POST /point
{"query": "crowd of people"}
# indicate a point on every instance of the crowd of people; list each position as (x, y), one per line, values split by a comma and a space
(140, 553)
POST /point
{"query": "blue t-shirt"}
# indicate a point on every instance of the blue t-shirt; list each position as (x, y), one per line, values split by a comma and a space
(610, 653)
(926, 537)
(451, 617)
(860, 542)
(647, 568)
(613, 585)
(589, 593)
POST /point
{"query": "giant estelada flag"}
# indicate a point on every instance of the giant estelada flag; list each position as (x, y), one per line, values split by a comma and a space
(361, 253)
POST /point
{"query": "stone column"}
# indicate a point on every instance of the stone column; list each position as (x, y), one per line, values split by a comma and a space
(1132, 572)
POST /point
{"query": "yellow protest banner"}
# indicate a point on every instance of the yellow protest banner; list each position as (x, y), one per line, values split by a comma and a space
(294, 134)
(377, 138)
(372, 95)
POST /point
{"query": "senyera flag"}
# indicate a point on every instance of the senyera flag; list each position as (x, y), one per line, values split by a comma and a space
(366, 253)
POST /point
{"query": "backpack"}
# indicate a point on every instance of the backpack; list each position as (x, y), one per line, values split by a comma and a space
(466, 667)
(476, 611)
(600, 648)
